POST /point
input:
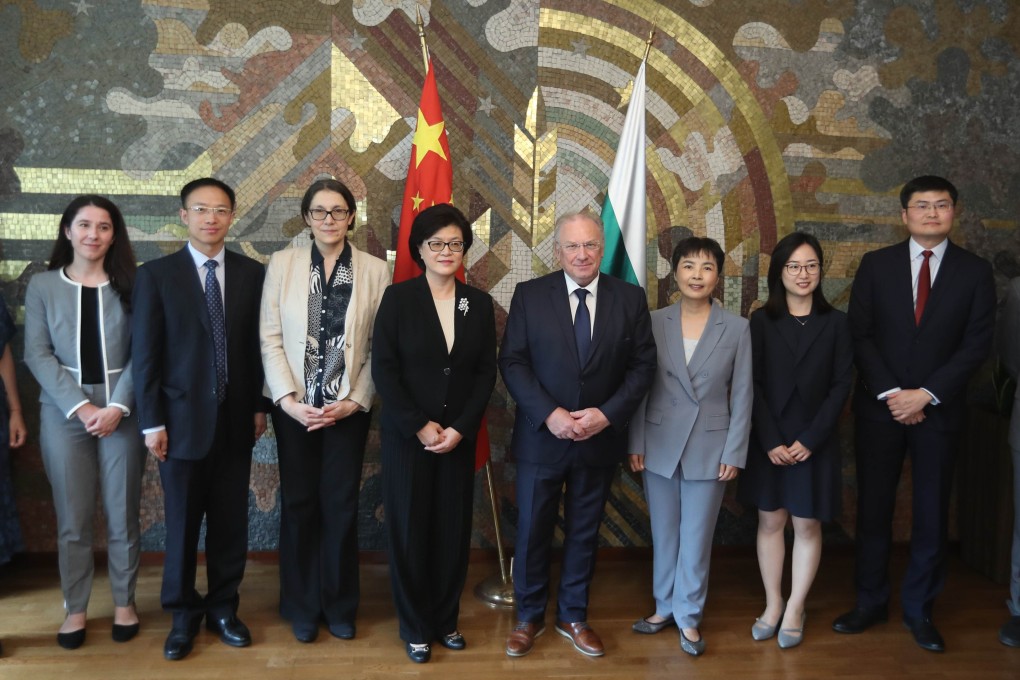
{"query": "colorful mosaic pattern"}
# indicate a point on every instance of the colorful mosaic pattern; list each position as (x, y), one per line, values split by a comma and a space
(764, 116)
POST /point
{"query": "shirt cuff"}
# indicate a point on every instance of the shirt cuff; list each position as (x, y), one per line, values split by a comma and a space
(122, 407)
(888, 393)
(153, 430)
(75, 408)
(934, 400)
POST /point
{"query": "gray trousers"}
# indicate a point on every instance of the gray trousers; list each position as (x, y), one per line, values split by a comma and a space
(1014, 570)
(683, 514)
(75, 462)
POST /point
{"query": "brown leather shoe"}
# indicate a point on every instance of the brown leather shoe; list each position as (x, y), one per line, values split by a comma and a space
(584, 638)
(522, 638)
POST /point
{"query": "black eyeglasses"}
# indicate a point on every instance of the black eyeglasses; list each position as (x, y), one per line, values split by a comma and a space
(794, 268)
(437, 246)
(339, 214)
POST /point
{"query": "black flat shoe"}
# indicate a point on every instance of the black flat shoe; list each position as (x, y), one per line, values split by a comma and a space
(419, 653)
(124, 633)
(72, 640)
(859, 619)
(344, 631)
(454, 641)
(178, 645)
(305, 632)
(926, 635)
(232, 630)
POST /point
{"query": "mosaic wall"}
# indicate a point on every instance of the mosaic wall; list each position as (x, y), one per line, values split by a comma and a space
(764, 116)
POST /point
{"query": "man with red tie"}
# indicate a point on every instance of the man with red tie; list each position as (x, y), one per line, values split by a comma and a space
(922, 315)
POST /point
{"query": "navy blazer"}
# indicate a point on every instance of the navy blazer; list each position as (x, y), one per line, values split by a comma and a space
(942, 353)
(814, 362)
(173, 357)
(417, 378)
(541, 369)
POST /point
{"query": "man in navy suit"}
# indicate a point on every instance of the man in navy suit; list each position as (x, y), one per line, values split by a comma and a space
(922, 315)
(198, 378)
(577, 364)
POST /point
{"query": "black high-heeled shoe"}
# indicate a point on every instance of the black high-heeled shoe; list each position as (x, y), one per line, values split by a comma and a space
(72, 640)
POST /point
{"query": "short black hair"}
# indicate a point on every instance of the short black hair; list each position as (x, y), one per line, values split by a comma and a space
(207, 182)
(694, 245)
(329, 184)
(927, 183)
(432, 219)
(775, 306)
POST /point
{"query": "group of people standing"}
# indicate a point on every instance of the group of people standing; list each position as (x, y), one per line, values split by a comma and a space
(192, 350)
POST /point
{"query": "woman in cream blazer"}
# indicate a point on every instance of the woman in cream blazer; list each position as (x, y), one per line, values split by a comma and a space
(318, 310)
(78, 347)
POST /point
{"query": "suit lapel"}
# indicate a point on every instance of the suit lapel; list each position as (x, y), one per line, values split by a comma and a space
(192, 286)
(941, 286)
(902, 288)
(808, 334)
(673, 334)
(709, 339)
(459, 317)
(560, 306)
(604, 304)
(232, 289)
(431, 325)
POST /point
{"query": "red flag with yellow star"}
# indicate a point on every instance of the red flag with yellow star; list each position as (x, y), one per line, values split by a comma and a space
(429, 181)
(429, 174)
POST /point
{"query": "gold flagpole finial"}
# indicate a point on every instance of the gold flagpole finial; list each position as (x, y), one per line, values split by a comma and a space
(421, 36)
(648, 44)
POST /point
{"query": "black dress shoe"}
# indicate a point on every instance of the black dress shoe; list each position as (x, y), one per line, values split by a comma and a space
(344, 631)
(419, 653)
(124, 633)
(926, 635)
(178, 645)
(232, 630)
(72, 640)
(454, 641)
(305, 632)
(1009, 634)
(860, 619)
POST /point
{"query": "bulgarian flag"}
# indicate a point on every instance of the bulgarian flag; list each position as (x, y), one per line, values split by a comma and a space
(623, 212)
(429, 182)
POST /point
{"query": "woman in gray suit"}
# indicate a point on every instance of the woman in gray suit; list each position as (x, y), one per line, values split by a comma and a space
(319, 303)
(78, 347)
(690, 434)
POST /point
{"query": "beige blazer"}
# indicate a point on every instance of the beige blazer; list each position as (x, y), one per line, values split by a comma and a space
(283, 323)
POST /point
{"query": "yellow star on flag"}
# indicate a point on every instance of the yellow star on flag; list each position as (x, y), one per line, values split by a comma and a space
(426, 138)
(417, 198)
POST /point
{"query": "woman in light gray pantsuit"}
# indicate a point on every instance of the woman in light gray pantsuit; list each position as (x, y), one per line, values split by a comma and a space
(77, 345)
(690, 434)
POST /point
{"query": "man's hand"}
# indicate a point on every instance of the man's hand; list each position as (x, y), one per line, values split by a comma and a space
(562, 425)
(591, 421)
(156, 442)
(906, 404)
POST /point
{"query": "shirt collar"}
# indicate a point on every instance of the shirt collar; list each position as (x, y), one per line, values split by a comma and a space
(201, 258)
(938, 251)
(592, 287)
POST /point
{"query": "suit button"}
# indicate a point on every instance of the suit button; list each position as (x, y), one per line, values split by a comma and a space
(446, 371)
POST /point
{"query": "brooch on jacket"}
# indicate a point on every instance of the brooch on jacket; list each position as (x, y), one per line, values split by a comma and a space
(462, 305)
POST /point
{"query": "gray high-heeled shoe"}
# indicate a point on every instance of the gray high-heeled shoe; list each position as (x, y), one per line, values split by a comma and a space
(791, 637)
(763, 631)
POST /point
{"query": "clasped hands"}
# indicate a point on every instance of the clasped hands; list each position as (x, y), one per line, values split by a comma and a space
(789, 455)
(99, 422)
(576, 425)
(437, 439)
(907, 406)
(314, 418)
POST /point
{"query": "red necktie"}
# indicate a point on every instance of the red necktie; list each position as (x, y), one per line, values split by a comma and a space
(923, 287)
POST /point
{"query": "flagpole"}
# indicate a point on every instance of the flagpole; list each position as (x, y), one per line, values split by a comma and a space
(421, 36)
(648, 43)
(496, 590)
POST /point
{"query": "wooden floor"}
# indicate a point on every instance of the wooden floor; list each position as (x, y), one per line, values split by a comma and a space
(969, 615)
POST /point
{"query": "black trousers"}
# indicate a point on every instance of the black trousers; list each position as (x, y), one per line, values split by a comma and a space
(881, 448)
(320, 477)
(428, 499)
(215, 487)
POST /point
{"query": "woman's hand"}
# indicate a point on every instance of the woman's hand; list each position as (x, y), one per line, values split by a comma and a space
(312, 418)
(18, 431)
(727, 472)
(104, 421)
(341, 409)
(430, 435)
(448, 440)
(781, 456)
(637, 462)
(799, 452)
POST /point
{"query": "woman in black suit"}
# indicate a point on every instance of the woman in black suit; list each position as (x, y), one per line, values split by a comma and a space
(434, 365)
(803, 355)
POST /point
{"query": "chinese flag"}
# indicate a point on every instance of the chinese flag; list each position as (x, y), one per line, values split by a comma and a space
(429, 181)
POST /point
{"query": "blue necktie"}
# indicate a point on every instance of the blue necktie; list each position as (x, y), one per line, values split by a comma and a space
(214, 301)
(582, 326)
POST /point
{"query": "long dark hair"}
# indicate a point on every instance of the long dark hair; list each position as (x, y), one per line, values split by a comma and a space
(119, 262)
(775, 306)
